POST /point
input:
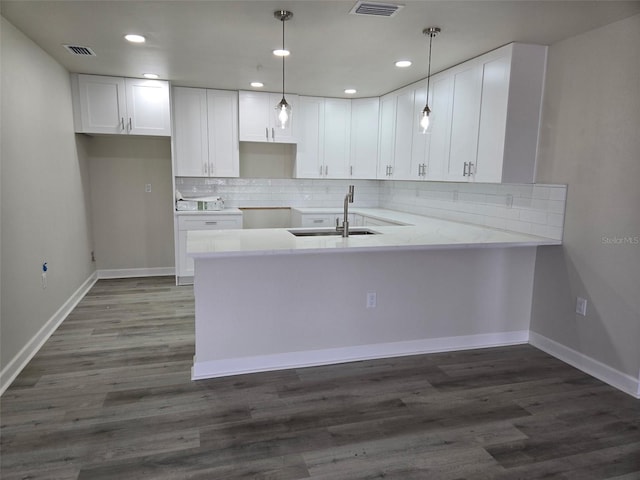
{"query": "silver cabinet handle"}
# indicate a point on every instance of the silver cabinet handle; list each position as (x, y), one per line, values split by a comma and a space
(351, 170)
(266, 132)
(320, 170)
(273, 133)
(318, 221)
(326, 169)
(205, 168)
(130, 127)
(390, 170)
(470, 169)
(464, 170)
(210, 223)
(122, 123)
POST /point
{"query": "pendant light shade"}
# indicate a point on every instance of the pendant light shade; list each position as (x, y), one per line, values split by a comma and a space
(283, 109)
(425, 120)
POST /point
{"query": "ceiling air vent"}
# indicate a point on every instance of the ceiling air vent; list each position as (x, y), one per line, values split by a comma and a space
(80, 50)
(375, 9)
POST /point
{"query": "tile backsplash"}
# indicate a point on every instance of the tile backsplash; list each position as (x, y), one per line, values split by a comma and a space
(536, 209)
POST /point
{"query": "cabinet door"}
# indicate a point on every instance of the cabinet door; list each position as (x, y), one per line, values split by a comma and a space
(102, 104)
(493, 120)
(467, 93)
(222, 121)
(190, 141)
(310, 123)
(440, 136)
(420, 141)
(337, 136)
(405, 120)
(254, 109)
(148, 107)
(387, 135)
(364, 137)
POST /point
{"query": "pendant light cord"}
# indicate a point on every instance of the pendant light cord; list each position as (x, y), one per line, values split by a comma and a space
(429, 70)
(283, 58)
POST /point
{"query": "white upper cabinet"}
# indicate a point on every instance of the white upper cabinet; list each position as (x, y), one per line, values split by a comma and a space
(364, 137)
(222, 121)
(324, 131)
(258, 118)
(205, 133)
(485, 117)
(337, 137)
(512, 86)
(387, 140)
(124, 106)
(310, 125)
(465, 121)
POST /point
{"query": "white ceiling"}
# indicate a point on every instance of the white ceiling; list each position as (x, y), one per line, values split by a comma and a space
(228, 44)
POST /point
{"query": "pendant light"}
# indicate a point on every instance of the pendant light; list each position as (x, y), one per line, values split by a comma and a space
(283, 109)
(424, 115)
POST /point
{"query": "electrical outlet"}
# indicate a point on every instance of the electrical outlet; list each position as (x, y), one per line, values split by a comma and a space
(372, 299)
(581, 306)
(509, 200)
(147, 188)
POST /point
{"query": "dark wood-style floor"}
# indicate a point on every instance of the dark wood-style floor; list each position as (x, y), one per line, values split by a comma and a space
(109, 396)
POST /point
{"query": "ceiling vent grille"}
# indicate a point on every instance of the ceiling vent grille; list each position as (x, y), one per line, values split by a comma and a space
(80, 50)
(375, 9)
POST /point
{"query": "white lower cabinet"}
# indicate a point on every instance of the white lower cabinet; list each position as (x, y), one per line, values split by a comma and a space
(186, 222)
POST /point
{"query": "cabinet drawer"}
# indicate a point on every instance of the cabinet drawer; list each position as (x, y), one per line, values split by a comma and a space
(318, 221)
(210, 222)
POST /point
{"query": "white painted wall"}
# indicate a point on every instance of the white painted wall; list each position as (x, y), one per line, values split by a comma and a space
(45, 193)
(250, 310)
(590, 140)
(133, 229)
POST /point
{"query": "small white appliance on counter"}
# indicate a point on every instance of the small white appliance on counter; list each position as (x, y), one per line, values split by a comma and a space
(198, 204)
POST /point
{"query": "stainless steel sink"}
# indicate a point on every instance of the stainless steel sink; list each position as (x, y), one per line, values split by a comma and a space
(331, 233)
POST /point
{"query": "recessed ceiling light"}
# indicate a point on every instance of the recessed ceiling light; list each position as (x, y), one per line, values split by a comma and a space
(350, 91)
(152, 76)
(133, 38)
(403, 63)
(257, 84)
(281, 52)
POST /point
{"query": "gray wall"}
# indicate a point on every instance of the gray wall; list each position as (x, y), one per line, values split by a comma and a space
(591, 140)
(45, 196)
(133, 229)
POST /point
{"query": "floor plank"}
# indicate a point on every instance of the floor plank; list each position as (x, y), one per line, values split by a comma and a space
(109, 396)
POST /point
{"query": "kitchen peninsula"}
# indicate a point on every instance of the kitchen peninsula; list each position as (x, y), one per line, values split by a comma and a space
(267, 299)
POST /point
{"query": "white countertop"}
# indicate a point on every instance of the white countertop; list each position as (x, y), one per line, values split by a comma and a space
(419, 233)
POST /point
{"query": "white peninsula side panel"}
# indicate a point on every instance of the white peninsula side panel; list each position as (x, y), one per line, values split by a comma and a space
(266, 312)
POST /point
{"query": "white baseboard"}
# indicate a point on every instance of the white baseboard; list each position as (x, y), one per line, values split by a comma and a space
(280, 361)
(599, 370)
(17, 363)
(136, 272)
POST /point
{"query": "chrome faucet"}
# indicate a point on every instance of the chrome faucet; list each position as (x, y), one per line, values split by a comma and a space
(345, 222)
